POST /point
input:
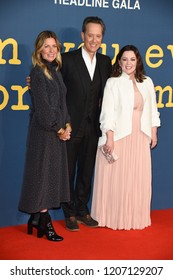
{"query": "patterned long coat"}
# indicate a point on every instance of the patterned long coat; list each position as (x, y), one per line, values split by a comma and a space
(45, 181)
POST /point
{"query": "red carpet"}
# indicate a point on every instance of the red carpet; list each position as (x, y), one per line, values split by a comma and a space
(152, 243)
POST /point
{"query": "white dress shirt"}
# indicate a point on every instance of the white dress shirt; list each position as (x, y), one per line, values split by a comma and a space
(90, 64)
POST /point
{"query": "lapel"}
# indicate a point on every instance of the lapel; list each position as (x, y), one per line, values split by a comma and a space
(101, 70)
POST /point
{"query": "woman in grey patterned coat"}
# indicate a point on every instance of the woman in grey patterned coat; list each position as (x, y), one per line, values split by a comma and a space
(46, 182)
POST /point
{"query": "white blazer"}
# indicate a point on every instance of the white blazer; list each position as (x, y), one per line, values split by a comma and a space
(118, 103)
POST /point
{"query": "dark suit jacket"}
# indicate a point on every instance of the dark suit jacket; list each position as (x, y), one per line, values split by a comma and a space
(77, 81)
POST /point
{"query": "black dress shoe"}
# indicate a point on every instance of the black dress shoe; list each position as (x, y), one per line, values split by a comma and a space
(71, 223)
(87, 221)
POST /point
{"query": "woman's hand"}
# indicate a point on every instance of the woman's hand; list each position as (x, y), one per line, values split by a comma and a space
(109, 146)
(154, 137)
(65, 134)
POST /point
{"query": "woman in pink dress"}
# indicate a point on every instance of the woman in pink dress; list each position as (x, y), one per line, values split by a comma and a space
(129, 120)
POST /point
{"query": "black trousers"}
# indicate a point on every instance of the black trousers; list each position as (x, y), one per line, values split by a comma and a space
(81, 152)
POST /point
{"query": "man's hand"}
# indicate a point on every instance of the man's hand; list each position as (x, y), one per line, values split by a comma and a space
(28, 81)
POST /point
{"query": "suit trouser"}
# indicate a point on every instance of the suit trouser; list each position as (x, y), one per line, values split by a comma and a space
(81, 152)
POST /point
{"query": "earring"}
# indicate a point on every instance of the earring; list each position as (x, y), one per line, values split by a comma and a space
(120, 70)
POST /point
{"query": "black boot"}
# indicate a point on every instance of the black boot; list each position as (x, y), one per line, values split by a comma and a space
(33, 222)
(45, 227)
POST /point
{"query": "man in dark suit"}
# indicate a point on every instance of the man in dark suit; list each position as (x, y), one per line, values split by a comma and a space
(85, 73)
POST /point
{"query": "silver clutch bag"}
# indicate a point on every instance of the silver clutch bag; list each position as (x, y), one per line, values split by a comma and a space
(111, 158)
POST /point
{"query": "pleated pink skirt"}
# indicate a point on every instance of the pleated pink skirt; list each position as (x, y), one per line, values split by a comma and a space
(122, 190)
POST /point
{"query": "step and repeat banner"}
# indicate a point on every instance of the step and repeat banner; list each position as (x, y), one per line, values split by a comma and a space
(144, 23)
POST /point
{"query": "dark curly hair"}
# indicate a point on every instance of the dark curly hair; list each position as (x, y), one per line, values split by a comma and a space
(140, 72)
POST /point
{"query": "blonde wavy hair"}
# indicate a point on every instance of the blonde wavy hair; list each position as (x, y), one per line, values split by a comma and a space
(37, 57)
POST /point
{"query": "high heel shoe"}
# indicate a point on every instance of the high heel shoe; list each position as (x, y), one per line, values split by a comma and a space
(33, 222)
(46, 228)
